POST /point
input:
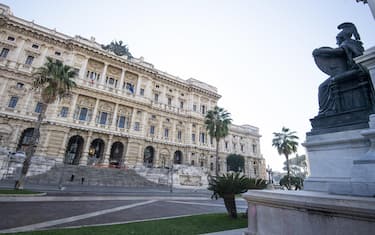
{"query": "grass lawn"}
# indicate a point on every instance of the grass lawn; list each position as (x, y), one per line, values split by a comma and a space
(197, 224)
(15, 191)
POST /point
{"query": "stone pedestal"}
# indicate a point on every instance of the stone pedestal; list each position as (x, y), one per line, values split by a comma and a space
(308, 213)
(331, 158)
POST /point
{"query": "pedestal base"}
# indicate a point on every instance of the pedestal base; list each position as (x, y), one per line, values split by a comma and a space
(308, 213)
(331, 158)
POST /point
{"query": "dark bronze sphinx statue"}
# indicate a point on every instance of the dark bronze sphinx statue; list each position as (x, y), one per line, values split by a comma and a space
(346, 97)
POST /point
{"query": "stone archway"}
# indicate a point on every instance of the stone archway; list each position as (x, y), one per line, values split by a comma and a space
(74, 150)
(25, 139)
(117, 150)
(177, 158)
(148, 157)
(96, 151)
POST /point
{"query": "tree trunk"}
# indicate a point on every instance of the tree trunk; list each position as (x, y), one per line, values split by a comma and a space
(217, 158)
(288, 172)
(230, 205)
(30, 150)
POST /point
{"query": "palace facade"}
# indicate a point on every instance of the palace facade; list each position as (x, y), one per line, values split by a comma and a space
(123, 112)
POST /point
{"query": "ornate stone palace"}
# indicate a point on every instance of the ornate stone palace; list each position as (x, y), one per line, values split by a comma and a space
(123, 112)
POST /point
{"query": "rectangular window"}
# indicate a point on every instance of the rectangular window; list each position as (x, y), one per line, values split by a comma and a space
(29, 60)
(203, 109)
(166, 132)
(64, 112)
(242, 149)
(226, 145)
(179, 135)
(136, 126)
(38, 107)
(121, 122)
(142, 91)
(13, 102)
(194, 107)
(83, 114)
(35, 46)
(152, 130)
(4, 53)
(202, 137)
(181, 105)
(57, 53)
(169, 101)
(103, 118)
(130, 87)
(254, 148)
(19, 85)
(10, 38)
(193, 137)
(156, 98)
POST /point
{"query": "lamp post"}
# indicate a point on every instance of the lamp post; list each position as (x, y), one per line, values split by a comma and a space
(171, 170)
(270, 173)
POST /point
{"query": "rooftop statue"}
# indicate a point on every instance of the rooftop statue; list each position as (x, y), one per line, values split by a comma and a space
(118, 48)
(346, 97)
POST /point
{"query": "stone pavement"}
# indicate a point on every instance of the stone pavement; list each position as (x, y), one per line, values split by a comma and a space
(88, 206)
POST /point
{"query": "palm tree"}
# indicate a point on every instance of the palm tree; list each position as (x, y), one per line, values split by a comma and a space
(286, 143)
(54, 81)
(217, 123)
(227, 187)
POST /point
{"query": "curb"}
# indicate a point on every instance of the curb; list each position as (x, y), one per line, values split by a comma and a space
(23, 195)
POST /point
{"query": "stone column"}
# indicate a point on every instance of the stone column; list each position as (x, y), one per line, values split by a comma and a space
(102, 82)
(83, 70)
(3, 95)
(27, 102)
(114, 119)
(43, 56)
(61, 154)
(53, 110)
(160, 133)
(144, 124)
(136, 89)
(132, 120)
(15, 138)
(73, 107)
(122, 78)
(85, 154)
(44, 146)
(18, 51)
(108, 151)
(94, 113)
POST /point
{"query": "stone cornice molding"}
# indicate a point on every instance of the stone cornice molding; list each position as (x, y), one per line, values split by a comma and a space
(53, 37)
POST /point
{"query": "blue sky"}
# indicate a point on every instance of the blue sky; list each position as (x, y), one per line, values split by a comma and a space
(257, 53)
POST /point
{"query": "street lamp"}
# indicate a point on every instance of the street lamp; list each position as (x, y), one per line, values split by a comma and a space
(269, 171)
(171, 171)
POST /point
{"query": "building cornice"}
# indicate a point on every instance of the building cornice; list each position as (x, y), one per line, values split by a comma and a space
(44, 34)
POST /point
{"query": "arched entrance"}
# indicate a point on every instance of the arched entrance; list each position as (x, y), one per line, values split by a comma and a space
(96, 151)
(177, 158)
(148, 157)
(74, 150)
(25, 139)
(115, 159)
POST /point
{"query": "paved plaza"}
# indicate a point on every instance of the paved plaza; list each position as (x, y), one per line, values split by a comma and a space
(89, 206)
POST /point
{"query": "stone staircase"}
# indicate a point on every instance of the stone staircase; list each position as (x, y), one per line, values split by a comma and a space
(156, 175)
(93, 176)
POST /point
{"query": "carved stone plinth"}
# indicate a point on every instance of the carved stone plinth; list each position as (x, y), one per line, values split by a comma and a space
(302, 212)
